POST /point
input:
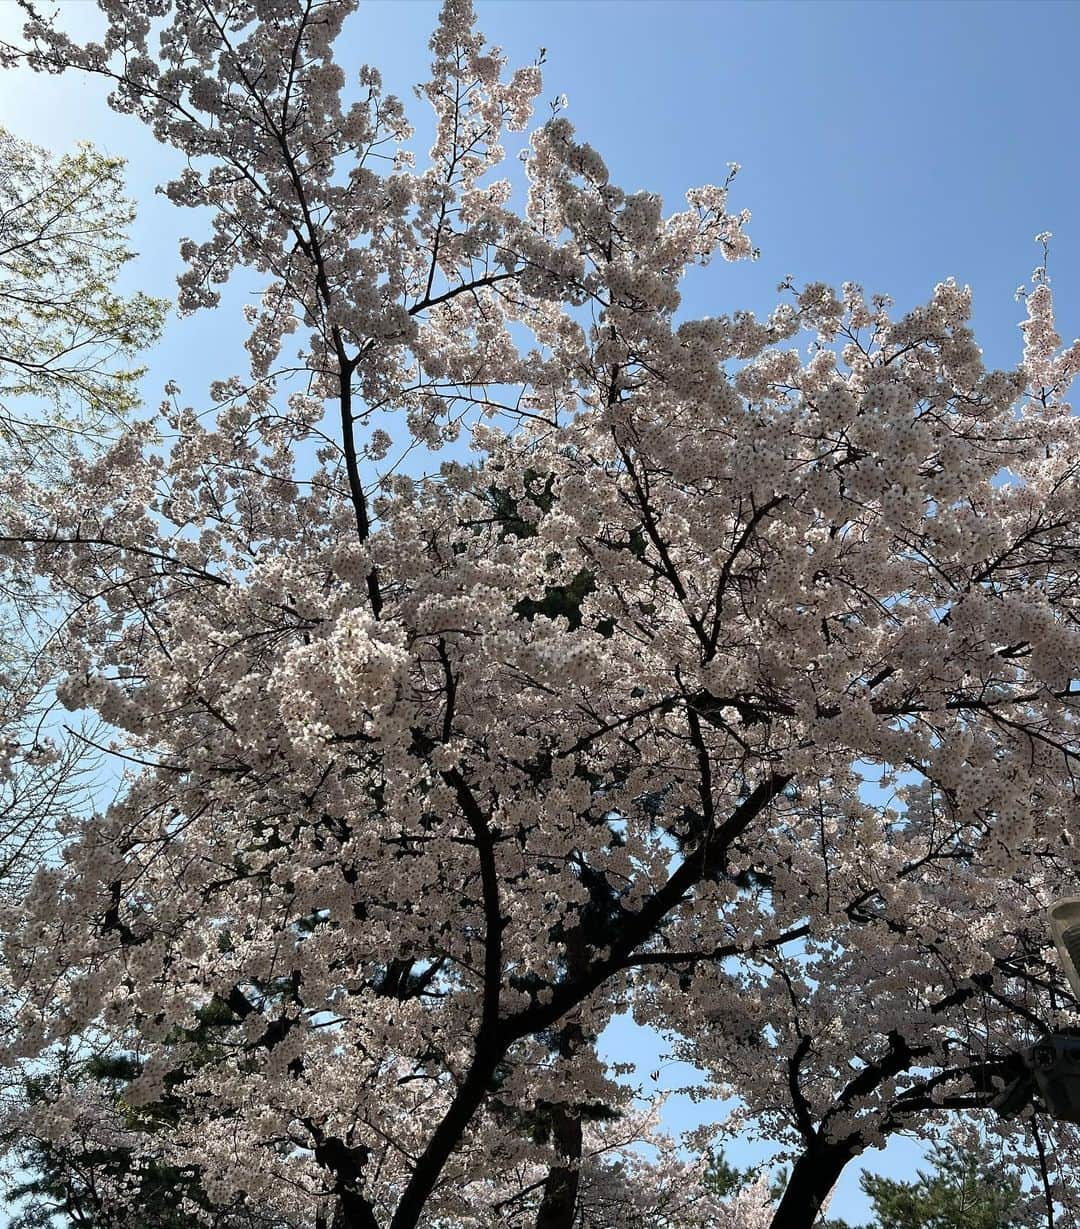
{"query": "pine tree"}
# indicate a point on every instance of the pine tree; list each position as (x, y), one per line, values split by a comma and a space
(962, 1191)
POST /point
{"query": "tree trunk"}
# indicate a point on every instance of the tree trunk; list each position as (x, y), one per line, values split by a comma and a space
(353, 1211)
(813, 1177)
(447, 1135)
(561, 1186)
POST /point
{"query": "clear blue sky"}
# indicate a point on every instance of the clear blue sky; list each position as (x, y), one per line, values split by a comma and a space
(893, 144)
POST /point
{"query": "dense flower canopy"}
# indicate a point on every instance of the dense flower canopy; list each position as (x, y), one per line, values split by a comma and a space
(425, 778)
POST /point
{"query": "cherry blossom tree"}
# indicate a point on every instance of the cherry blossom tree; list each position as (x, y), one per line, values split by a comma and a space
(428, 776)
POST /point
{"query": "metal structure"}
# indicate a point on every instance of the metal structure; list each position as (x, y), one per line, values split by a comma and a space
(1050, 1076)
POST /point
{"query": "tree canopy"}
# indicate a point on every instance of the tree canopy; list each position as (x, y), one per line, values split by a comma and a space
(67, 337)
(426, 776)
(963, 1190)
(68, 341)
